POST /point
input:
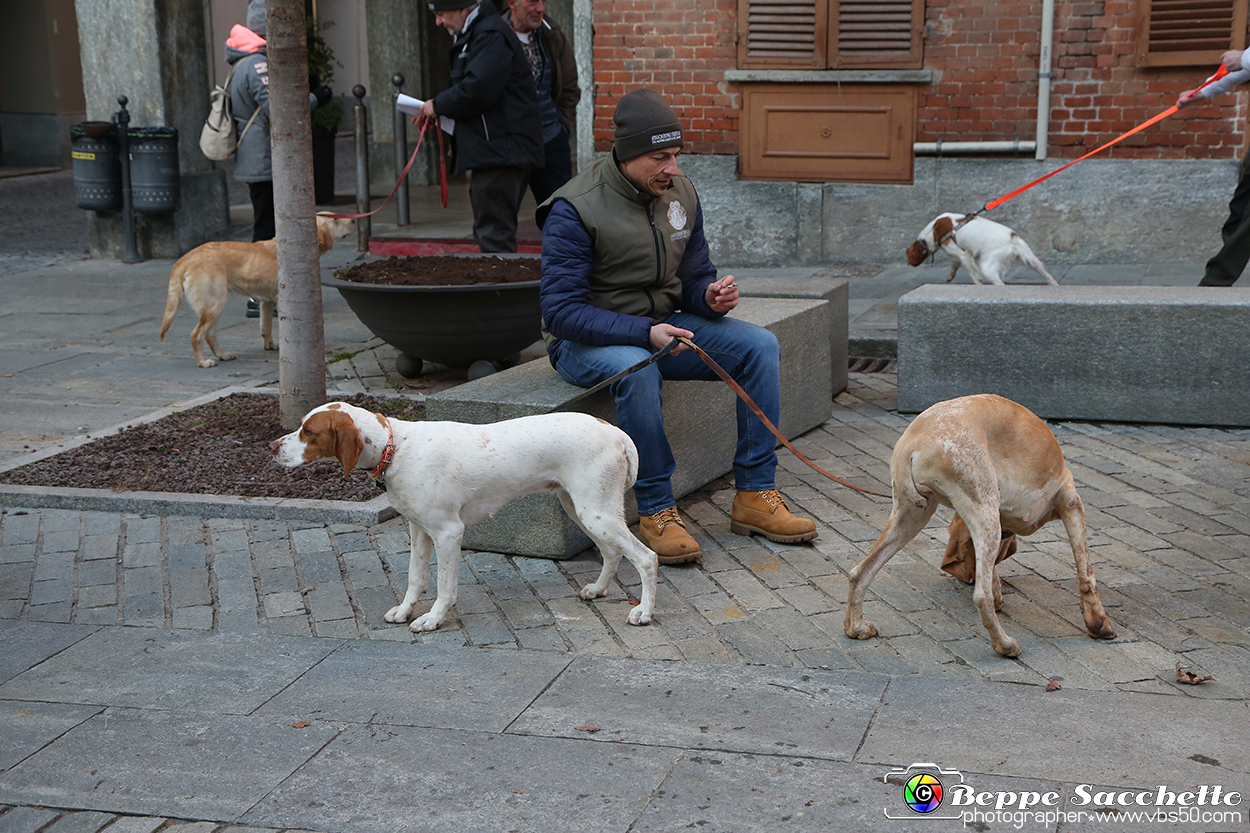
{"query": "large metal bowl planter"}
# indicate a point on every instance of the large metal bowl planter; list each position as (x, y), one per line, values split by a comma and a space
(451, 325)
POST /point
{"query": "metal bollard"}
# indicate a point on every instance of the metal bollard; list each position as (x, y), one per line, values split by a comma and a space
(401, 155)
(122, 118)
(364, 225)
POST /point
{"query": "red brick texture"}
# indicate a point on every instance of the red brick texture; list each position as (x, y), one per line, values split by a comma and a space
(984, 59)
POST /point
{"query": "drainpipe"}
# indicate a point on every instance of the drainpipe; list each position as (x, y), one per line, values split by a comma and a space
(1044, 76)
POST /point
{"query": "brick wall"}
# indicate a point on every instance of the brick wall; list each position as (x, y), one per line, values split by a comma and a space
(984, 59)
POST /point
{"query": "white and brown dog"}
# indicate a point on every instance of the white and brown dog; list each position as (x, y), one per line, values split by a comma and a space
(207, 273)
(985, 248)
(444, 476)
(1001, 469)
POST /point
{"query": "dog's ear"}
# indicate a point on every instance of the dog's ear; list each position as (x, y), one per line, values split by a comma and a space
(916, 254)
(961, 555)
(942, 226)
(348, 446)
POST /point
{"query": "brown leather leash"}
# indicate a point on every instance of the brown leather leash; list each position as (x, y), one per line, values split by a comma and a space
(755, 409)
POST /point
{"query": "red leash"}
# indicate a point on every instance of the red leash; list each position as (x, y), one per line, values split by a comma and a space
(442, 178)
(1219, 73)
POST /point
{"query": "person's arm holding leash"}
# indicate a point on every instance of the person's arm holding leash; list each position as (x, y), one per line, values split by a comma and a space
(1238, 65)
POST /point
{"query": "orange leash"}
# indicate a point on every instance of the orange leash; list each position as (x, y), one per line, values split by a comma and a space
(1219, 73)
(442, 178)
(755, 409)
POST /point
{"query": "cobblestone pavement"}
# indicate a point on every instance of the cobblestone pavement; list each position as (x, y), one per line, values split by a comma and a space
(1169, 519)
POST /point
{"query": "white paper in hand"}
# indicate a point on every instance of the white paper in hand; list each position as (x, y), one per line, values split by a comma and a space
(412, 106)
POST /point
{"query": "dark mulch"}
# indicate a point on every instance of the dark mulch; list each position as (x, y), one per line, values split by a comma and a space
(219, 448)
(442, 270)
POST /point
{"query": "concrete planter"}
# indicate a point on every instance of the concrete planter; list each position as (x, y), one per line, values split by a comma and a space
(455, 326)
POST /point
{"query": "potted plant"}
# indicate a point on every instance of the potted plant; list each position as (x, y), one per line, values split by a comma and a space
(327, 117)
(456, 310)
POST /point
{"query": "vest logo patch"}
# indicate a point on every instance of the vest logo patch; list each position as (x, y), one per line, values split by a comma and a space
(676, 215)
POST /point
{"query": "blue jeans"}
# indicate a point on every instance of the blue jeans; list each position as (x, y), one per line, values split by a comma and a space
(748, 352)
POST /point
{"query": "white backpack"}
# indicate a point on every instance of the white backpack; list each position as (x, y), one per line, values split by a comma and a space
(217, 139)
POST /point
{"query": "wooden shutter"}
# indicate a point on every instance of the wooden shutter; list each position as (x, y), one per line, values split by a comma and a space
(1188, 32)
(785, 34)
(824, 34)
(873, 34)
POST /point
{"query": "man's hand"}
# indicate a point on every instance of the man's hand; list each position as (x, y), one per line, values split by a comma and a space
(662, 334)
(1231, 60)
(1187, 98)
(427, 113)
(722, 295)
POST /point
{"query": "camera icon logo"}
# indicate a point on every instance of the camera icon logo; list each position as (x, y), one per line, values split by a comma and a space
(923, 790)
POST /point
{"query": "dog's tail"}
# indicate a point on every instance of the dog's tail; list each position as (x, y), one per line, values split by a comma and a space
(1031, 260)
(174, 299)
(631, 459)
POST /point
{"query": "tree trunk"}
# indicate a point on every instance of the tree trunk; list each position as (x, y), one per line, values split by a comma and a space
(301, 331)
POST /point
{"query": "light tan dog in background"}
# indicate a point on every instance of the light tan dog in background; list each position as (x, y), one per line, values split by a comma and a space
(207, 273)
(1000, 467)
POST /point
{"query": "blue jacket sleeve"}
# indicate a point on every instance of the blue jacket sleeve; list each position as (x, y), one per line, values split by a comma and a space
(697, 272)
(567, 258)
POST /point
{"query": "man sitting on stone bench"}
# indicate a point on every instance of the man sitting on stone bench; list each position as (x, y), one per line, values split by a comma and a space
(625, 269)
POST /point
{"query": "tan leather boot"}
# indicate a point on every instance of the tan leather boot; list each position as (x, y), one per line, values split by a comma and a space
(666, 535)
(766, 513)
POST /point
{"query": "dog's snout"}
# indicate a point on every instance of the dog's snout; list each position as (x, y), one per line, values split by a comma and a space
(275, 446)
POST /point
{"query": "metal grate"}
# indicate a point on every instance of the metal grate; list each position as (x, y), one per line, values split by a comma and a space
(872, 364)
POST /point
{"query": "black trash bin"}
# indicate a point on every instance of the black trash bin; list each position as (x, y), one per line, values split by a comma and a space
(154, 181)
(97, 166)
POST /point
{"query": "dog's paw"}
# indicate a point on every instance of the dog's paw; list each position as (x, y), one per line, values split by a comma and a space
(590, 591)
(269, 345)
(207, 363)
(1009, 648)
(638, 616)
(428, 622)
(860, 630)
(398, 614)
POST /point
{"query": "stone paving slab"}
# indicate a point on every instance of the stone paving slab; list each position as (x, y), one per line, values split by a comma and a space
(1065, 735)
(185, 764)
(377, 779)
(29, 726)
(159, 669)
(375, 683)
(764, 711)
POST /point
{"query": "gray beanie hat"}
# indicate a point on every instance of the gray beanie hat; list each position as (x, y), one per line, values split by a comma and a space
(644, 122)
(256, 16)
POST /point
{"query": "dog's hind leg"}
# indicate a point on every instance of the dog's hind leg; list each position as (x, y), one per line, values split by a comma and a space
(447, 545)
(606, 527)
(1070, 509)
(981, 515)
(1031, 260)
(906, 519)
(418, 574)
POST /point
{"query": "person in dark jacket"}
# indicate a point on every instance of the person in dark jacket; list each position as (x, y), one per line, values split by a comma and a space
(554, 67)
(625, 269)
(498, 132)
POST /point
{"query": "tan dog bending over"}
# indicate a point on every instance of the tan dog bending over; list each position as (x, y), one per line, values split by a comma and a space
(444, 476)
(1001, 469)
(207, 273)
(985, 248)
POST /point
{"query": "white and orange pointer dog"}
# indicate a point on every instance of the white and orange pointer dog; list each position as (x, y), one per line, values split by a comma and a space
(444, 476)
(1000, 467)
(985, 248)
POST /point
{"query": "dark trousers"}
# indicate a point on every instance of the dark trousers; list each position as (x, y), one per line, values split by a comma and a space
(545, 181)
(1230, 261)
(494, 194)
(263, 227)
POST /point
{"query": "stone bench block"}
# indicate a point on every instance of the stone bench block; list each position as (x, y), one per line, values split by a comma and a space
(1118, 353)
(699, 416)
(833, 290)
